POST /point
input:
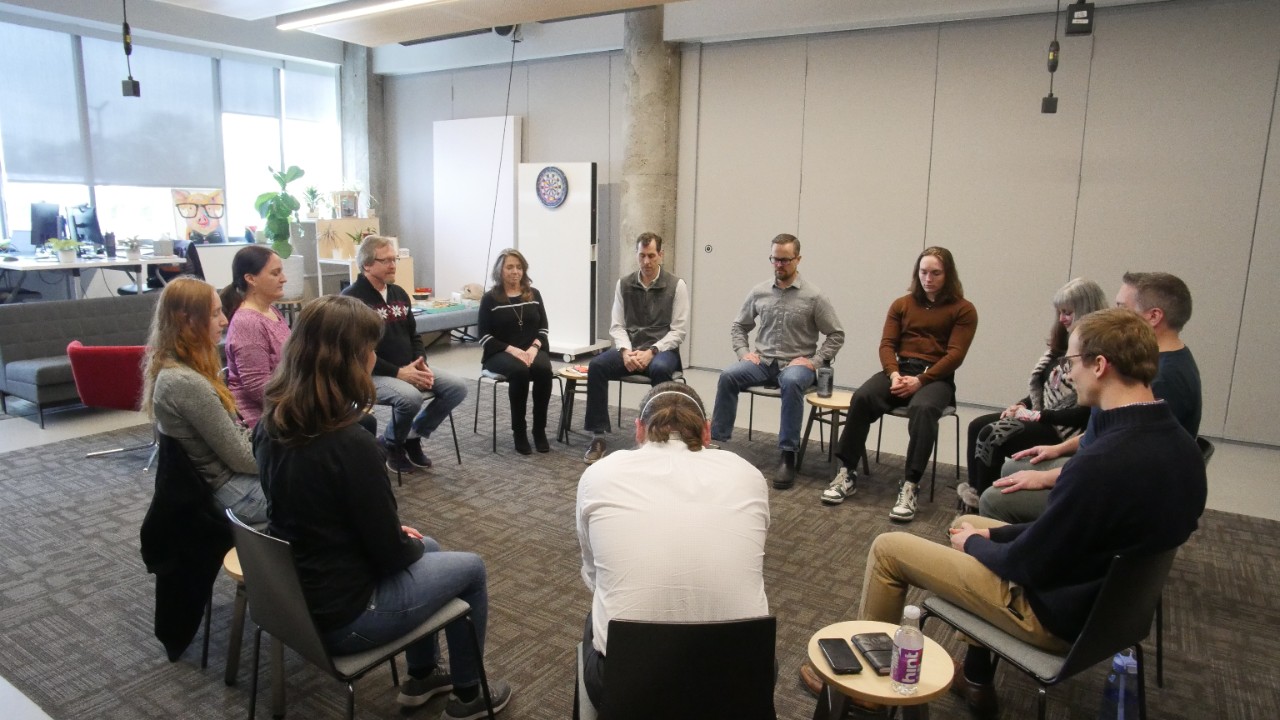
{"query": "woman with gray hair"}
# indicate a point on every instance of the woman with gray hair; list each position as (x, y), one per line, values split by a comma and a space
(1048, 414)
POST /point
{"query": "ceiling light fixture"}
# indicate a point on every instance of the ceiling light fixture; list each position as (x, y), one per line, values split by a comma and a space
(343, 11)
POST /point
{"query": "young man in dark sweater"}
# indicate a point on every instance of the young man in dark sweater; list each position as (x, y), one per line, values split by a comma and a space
(1139, 488)
(420, 398)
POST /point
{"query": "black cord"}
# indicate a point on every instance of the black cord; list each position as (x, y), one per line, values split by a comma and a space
(497, 182)
(1057, 12)
(128, 40)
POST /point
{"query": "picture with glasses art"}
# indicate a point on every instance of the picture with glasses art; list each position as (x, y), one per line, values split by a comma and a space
(198, 215)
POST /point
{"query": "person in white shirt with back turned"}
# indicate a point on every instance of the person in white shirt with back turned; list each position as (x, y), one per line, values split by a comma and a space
(671, 531)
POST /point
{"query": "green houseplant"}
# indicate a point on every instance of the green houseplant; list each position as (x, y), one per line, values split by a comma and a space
(312, 197)
(278, 208)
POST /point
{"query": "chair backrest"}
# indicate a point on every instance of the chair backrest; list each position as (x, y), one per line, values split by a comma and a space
(1121, 616)
(1206, 449)
(276, 602)
(107, 376)
(691, 670)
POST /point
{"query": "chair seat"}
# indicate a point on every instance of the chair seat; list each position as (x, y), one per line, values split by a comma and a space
(356, 664)
(1043, 664)
(40, 371)
(765, 390)
(490, 375)
(902, 412)
(644, 379)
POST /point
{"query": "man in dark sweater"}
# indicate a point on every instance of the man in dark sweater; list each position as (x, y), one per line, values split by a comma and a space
(420, 398)
(650, 320)
(1139, 488)
(1164, 302)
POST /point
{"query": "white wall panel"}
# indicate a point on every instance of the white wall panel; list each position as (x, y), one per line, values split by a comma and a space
(412, 104)
(749, 142)
(1180, 101)
(868, 117)
(1003, 188)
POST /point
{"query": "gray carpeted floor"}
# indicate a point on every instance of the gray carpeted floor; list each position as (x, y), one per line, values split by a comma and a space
(76, 602)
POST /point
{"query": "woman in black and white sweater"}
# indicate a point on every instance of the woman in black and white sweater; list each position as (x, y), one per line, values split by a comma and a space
(1048, 414)
(513, 334)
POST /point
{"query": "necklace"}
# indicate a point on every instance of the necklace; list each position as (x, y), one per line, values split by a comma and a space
(519, 313)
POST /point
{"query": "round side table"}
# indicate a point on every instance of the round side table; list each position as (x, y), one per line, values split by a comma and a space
(867, 686)
(571, 377)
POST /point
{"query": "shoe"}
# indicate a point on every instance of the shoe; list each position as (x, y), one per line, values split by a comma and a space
(522, 443)
(904, 508)
(417, 691)
(595, 451)
(786, 475)
(397, 462)
(540, 442)
(499, 690)
(980, 697)
(845, 485)
(968, 496)
(413, 452)
(809, 678)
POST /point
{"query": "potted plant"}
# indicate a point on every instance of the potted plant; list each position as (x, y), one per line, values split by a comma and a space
(66, 248)
(278, 208)
(131, 246)
(312, 197)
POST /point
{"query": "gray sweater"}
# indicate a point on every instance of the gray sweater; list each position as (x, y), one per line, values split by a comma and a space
(187, 408)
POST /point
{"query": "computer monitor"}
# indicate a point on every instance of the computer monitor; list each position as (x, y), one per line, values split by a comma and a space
(84, 225)
(46, 221)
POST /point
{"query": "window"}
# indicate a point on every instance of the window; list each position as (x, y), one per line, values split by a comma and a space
(312, 138)
(41, 124)
(18, 197)
(132, 211)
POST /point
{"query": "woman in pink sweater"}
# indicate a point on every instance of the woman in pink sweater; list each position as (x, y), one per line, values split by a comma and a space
(256, 336)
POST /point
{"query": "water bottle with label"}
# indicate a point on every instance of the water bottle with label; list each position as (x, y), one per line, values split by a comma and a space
(826, 381)
(908, 653)
(1120, 696)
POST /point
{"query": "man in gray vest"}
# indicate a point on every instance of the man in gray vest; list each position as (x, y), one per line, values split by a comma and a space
(650, 319)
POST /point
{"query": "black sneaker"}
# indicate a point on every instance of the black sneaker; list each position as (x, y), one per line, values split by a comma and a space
(456, 709)
(413, 452)
(417, 691)
(396, 459)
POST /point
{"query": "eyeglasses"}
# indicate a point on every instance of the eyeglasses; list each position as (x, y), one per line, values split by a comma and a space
(387, 261)
(1064, 363)
(189, 210)
(783, 261)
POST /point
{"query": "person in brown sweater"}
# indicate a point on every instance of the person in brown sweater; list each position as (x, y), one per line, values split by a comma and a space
(926, 336)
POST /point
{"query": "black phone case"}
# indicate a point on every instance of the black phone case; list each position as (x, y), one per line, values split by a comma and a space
(877, 648)
(840, 656)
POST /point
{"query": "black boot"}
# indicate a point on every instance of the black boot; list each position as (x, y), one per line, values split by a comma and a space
(540, 427)
(786, 475)
(522, 442)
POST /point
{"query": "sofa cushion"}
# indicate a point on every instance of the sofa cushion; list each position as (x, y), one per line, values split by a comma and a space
(40, 371)
(41, 330)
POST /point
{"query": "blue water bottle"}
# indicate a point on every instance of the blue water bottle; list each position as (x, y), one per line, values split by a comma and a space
(1120, 696)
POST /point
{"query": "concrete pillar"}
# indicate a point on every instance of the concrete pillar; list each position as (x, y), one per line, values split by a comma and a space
(650, 128)
(364, 134)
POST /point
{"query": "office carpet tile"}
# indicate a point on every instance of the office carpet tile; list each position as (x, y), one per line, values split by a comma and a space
(76, 602)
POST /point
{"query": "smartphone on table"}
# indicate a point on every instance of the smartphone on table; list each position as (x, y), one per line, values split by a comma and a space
(840, 656)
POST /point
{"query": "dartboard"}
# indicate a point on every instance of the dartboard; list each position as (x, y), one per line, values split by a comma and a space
(553, 187)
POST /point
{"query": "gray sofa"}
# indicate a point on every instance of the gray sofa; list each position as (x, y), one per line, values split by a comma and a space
(34, 338)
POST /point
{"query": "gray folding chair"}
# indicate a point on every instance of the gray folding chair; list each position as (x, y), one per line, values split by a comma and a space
(277, 605)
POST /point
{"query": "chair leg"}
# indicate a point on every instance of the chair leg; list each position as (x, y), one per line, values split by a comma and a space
(957, 419)
(1160, 642)
(804, 441)
(751, 416)
(1042, 702)
(40, 412)
(1142, 683)
(933, 478)
(208, 616)
(484, 679)
(351, 701)
(253, 679)
(395, 673)
(879, 437)
(113, 451)
(619, 404)
(237, 633)
(494, 408)
(454, 430)
(475, 423)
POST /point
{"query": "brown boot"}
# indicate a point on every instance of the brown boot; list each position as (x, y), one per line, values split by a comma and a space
(980, 697)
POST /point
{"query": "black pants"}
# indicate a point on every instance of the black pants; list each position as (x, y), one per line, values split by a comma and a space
(873, 399)
(1025, 435)
(592, 668)
(518, 377)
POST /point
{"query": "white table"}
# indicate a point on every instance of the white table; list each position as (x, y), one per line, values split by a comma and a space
(27, 264)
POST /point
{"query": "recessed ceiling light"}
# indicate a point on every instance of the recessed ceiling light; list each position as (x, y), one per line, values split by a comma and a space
(343, 11)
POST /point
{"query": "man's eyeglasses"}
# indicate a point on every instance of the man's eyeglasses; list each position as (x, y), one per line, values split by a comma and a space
(189, 210)
(783, 261)
(387, 261)
(1064, 363)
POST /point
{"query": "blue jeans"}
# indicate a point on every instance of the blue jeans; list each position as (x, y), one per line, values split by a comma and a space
(413, 408)
(608, 366)
(243, 495)
(403, 601)
(792, 379)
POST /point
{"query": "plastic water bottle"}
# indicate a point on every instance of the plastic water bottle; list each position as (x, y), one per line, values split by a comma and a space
(908, 653)
(1120, 696)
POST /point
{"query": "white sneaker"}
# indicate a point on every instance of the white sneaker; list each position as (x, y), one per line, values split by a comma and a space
(904, 508)
(845, 485)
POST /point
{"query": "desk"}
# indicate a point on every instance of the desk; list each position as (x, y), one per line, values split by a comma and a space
(26, 264)
(456, 321)
(935, 675)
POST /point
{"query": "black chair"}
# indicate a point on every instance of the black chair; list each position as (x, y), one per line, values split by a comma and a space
(686, 671)
(1120, 618)
(277, 605)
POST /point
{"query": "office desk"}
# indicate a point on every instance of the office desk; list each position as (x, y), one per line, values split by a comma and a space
(27, 264)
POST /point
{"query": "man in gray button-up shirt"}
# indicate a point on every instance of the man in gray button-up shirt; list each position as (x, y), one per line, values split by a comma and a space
(790, 313)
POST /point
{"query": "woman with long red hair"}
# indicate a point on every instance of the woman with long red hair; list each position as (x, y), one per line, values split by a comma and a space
(184, 392)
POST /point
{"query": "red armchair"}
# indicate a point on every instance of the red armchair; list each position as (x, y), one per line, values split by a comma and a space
(108, 377)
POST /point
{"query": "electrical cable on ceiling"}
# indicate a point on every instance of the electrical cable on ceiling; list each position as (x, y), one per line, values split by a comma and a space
(1049, 104)
(506, 108)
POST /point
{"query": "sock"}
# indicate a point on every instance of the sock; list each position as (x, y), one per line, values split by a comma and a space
(413, 435)
(467, 694)
(978, 667)
(913, 476)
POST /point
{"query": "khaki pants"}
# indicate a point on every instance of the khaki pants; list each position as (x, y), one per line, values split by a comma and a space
(899, 560)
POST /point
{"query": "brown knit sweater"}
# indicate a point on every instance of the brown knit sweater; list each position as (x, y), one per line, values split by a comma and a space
(940, 335)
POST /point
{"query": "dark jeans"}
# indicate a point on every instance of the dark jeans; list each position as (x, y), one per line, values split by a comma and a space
(592, 668)
(1027, 435)
(608, 366)
(873, 400)
(518, 377)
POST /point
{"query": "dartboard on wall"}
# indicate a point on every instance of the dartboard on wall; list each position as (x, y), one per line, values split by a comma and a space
(552, 187)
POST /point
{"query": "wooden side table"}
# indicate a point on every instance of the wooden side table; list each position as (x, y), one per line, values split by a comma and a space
(935, 675)
(571, 378)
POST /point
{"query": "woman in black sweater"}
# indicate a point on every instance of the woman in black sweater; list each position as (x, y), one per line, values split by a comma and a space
(367, 578)
(513, 333)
